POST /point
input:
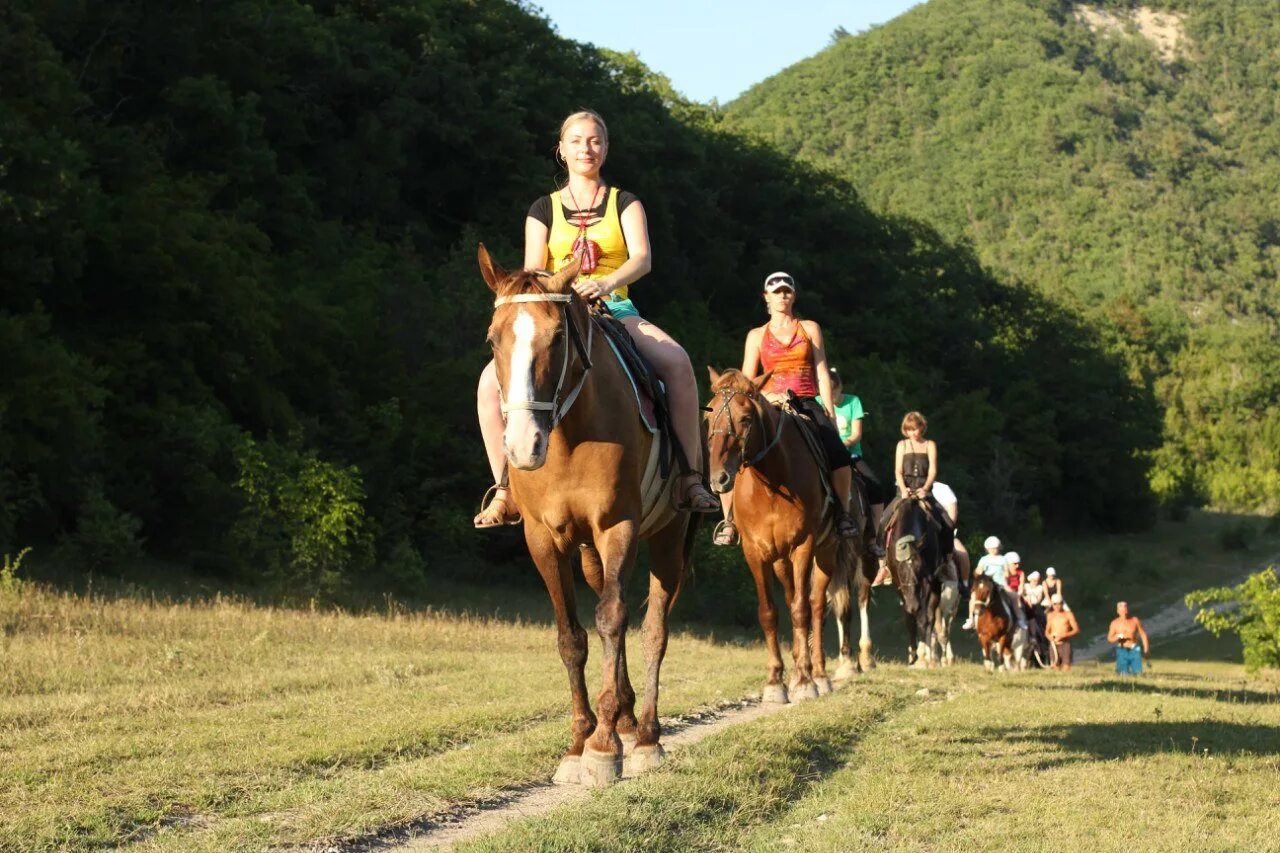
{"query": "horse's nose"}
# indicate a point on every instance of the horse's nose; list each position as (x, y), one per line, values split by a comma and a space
(722, 482)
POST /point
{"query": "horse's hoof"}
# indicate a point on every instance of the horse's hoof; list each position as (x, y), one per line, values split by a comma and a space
(774, 694)
(600, 769)
(628, 742)
(569, 772)
(846, 670)
(823, 684)
(866, 661)
(644, 758)
(804, 692)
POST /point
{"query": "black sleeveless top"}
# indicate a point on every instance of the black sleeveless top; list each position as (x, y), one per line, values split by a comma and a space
(915, 467)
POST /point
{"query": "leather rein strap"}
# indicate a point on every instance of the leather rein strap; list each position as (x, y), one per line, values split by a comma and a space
(558, 406)
(726, 396)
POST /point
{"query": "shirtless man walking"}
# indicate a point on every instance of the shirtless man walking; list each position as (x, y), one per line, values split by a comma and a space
(1060, 626)
(1125, 632)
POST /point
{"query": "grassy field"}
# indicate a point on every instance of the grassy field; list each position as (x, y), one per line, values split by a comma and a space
(1185, 759)
(223, 726)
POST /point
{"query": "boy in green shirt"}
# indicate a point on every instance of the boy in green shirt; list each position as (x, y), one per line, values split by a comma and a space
(849, 415)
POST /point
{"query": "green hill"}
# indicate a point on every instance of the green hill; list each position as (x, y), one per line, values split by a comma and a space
(1120, 158)
(241, 321)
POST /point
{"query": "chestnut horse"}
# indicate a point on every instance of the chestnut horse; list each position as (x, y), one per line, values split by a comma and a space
(780, 506)
(997, 628)
(583, 472)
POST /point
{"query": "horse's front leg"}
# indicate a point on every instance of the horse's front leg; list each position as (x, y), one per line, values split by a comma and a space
(820, 572)
(798, 569)
(775, 690)
(602, 756)
(556, 570)
(593, 571)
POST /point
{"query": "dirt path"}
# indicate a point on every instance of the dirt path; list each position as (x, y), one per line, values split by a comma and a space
(468, 822)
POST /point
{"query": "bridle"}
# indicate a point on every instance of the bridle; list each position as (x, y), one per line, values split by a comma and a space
(726, 397)
(559, 405)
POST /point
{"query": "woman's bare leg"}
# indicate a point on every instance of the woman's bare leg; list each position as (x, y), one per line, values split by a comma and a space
(489, 413)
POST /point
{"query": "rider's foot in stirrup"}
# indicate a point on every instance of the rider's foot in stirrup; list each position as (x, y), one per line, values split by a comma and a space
(876, 549)
(847, 528)
(726, 534)
(882, 577)
(499, 512)
(695, 497)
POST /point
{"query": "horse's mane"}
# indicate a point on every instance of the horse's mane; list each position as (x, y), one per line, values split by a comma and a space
(522, 281)
(734, 380)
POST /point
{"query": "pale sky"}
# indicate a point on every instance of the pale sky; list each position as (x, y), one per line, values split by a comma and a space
(711, 48)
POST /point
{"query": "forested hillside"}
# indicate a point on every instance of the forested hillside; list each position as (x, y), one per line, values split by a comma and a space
(241, 322)
(1122, 159)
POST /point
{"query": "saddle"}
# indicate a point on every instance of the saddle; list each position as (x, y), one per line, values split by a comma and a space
(655, 414)
(808, 430)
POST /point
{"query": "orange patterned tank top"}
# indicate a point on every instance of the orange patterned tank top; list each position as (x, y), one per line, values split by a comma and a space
(792, 364)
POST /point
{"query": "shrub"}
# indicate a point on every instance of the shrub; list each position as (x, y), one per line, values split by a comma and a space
(1236, 537)
(105, 537)
(303, 518)
(1251, 610)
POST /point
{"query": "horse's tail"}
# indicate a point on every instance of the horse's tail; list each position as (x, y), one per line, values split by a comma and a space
(690, 539)
(839, 590)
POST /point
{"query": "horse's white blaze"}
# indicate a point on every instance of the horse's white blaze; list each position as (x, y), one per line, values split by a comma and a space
(521, 436)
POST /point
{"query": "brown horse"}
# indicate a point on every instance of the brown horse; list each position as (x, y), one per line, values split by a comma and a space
(781, 508)
(998, 631)
(584, 473)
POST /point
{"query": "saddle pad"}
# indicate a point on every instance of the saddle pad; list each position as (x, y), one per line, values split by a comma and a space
(648, 416)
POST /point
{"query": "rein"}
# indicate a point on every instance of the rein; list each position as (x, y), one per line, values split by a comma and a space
(726, 396)
(557, 406)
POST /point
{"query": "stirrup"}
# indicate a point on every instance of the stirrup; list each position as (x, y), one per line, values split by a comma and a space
(725, 533)
(490, 498)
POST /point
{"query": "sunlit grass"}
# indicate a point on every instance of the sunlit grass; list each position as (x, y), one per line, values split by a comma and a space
(224, 725)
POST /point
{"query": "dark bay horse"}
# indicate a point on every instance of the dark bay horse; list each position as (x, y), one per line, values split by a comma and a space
(583, 474)
(787, 529)
(916, 563)
(998, 632)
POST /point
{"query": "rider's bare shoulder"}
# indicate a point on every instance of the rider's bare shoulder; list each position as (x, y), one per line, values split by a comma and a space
(811, 327)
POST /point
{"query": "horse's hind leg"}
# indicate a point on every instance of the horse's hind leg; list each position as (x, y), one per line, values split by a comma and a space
(593, 570)
(667, 552)
(602, 756)
(556, 570)
(822, 573)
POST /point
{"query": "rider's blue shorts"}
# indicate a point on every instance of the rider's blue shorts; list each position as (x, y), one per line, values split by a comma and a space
(622, 308)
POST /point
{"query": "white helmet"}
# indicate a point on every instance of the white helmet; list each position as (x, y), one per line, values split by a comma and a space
(1056, 598)
(1051, 572)
(1034, 576)
(991, 542)
(1012, 557)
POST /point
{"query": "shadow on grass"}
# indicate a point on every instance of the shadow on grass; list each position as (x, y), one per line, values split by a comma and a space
(1229, 695)
(1107, 741)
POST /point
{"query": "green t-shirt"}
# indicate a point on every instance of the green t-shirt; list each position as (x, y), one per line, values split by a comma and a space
(849, 410)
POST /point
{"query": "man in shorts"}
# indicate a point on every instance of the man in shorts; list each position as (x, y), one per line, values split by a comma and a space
(1125, 633)
(1060, 627)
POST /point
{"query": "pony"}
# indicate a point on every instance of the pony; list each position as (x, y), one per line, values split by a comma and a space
(916, 562)
(1003, 642)
(781, 507)
(582, 471)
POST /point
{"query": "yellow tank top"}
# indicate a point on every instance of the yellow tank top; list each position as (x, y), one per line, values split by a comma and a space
(607, 233)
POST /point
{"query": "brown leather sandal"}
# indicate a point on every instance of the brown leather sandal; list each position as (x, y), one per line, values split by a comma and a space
(725, 533)
(695, 496)
(503, 516)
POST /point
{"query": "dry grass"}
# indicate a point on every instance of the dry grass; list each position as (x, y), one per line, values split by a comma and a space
(222, 725)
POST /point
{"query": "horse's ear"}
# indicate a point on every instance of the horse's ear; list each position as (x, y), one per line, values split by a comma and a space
(560, 282)
(762, 381)
(714, 374)
(493, 275)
